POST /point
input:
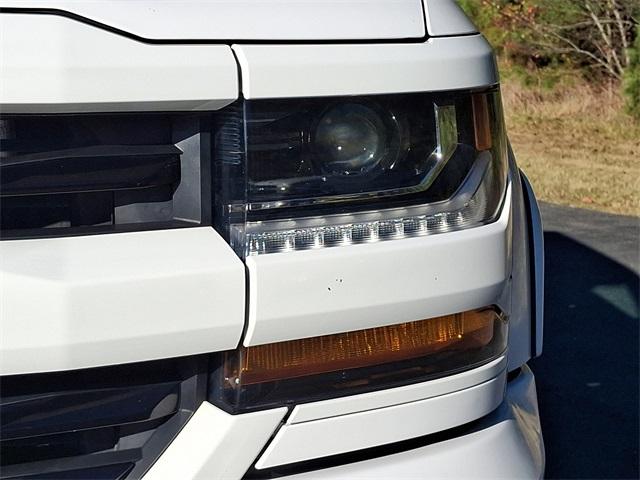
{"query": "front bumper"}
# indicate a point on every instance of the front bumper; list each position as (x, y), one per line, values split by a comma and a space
(505, 443)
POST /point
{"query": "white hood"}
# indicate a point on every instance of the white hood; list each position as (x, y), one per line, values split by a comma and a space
(240, 20)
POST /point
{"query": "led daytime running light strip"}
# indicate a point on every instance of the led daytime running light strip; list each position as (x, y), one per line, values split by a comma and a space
(369, 232)
(464, 209)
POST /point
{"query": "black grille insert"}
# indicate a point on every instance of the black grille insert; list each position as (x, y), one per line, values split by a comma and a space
(69, 174)
(107, 422)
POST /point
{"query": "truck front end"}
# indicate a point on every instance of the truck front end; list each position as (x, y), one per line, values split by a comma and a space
(262, 239)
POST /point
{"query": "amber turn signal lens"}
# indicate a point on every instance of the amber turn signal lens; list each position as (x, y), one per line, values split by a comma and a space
(363, 348)
(481, 122)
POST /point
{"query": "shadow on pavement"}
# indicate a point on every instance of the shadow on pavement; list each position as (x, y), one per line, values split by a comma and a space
(587, 377)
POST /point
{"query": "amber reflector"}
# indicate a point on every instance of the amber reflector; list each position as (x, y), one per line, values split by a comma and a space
(481, 122)
(362, 348)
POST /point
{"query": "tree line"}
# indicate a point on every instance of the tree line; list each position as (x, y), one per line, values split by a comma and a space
(597, 38)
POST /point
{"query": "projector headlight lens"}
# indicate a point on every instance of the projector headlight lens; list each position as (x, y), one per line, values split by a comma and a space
(321, 172)
(352, 139)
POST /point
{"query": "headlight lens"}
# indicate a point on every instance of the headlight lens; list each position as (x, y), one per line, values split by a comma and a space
(352, 139)
(322, 172)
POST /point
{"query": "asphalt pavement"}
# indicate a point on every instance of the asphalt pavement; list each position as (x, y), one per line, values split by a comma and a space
(588, 374)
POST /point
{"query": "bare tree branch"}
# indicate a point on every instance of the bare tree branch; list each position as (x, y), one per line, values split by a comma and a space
(574, 48)
(611, 53)
(623, 32)
(588, 32)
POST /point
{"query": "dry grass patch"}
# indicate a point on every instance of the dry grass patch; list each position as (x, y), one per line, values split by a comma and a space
(576, 146)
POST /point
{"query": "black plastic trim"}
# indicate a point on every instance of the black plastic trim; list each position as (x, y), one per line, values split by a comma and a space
(532, 269)
(187, 376)
(92, 151)
(30, 234)
(167, 153)
(513, 374)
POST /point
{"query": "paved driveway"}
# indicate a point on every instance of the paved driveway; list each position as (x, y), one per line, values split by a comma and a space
(587, 377)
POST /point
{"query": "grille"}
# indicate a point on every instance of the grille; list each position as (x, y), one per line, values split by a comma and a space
(101, 423)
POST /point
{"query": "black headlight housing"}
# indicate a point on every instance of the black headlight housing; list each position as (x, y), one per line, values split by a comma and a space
(307, 173)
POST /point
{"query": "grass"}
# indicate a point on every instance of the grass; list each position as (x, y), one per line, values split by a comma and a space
(575, 145)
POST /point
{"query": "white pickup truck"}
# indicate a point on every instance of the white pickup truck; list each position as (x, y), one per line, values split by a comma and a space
(260, 239)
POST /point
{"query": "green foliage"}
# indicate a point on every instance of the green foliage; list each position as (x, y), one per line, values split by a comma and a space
(504, 22)
(507, 24)
(548, 78)
(632, 80)
(548, 44)
(489, 17)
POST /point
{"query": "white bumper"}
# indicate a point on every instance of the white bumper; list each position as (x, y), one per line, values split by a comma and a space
(506, 443)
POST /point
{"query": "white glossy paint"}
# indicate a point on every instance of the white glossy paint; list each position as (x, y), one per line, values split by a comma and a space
(319, 292)
(446, 18)
(54, 64)
(80, 302)
(507, 444)
(216, 445)
(249, 19)
(281, 71)
(346, 433)
(396, 396)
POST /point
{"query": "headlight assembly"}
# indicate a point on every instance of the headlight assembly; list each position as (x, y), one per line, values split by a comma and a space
(322, 172)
